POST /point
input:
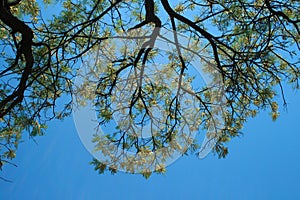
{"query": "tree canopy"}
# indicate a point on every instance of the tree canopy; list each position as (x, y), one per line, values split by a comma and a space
(143, 63)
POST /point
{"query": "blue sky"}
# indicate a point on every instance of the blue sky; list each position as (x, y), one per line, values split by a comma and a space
(263, 164)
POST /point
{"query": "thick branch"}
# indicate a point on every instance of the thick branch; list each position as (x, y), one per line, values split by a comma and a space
(26, 49)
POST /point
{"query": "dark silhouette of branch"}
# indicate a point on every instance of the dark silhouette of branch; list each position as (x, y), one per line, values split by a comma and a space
(26, 49)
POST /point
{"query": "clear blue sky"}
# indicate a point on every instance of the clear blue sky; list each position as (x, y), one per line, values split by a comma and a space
(263, 164)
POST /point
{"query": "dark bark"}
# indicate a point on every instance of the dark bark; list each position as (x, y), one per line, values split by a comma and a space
(17, 26)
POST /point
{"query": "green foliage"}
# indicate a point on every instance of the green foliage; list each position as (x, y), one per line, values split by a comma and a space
(100, 167)
(249, 48)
